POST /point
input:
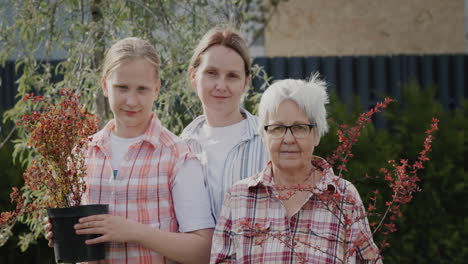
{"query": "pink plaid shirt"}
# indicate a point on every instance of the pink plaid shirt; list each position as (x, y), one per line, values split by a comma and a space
(142, 189)
(254, 226)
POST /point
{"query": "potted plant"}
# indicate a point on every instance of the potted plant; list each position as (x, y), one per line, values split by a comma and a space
(54, 180)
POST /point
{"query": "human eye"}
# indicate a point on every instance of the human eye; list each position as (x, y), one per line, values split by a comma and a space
(211, 72)
(300, 129)
(142, 89)
(276, 129)
(121, 87)
(233, 75)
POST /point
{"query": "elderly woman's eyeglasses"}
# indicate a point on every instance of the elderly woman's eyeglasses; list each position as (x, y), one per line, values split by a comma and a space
(298, 131)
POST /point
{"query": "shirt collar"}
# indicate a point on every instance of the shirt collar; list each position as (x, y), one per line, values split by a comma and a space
(151, 134)
(251, 129)
(328, 181)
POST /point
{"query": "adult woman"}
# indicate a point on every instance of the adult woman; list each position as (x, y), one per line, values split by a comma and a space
(225, 137)
(150, 179)
(263, 221)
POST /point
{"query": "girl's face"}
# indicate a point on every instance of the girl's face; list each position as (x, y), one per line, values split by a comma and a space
(220, 80)
(132, 89)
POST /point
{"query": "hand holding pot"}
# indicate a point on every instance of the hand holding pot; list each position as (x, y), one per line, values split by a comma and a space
(48, 230)
(112, 228)
(50, 237)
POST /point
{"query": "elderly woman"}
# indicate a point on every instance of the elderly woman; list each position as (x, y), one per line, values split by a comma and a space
(295, 210)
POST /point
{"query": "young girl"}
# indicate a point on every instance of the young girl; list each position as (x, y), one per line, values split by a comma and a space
(225, 137)
(150, 179)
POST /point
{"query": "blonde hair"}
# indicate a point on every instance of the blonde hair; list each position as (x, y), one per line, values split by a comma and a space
(129, 48)
(221, 35)
(311, 96)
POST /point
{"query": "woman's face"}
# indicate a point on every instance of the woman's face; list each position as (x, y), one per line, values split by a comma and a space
(220, 80)
(288, 152)
(132, 89)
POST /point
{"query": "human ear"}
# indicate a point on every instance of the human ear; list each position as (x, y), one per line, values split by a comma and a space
(247, 82)
(316, 139)
(104, 86)
(193, 78)
(157, 89)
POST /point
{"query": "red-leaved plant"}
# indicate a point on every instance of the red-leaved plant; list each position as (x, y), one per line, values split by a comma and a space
(58, 134)
(401, 178)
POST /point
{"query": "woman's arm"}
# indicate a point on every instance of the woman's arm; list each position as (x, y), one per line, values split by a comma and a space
(191, 247)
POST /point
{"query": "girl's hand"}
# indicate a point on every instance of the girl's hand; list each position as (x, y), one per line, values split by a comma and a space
(48, 230)
(50, 235)
(112, 228)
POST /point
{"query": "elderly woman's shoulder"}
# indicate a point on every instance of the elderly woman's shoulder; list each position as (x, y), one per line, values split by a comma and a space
(331, 180)
(246, 184)
(344, 186)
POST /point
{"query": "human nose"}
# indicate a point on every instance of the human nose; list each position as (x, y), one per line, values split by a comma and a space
(288, 136)
(131, 99)
(221, 84)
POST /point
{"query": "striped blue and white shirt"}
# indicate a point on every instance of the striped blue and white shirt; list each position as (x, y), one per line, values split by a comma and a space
(245, 159)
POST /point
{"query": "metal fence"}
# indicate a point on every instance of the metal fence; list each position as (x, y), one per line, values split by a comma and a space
(369, 77)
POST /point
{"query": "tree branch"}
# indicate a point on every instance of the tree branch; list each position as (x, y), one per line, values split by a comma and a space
(8, 137)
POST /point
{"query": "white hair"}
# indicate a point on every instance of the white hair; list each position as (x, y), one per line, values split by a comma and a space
(310, 95)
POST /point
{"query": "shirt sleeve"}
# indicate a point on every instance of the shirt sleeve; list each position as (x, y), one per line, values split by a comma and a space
(190, 196)
(223, 248)
(361, 239)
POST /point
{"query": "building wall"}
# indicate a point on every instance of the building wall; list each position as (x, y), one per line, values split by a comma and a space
(466, 25)
(366, 27)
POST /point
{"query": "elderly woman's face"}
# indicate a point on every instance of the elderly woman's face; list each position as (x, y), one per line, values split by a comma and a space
(288, 151)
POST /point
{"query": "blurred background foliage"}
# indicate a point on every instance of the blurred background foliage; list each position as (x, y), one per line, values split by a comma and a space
(433, 227)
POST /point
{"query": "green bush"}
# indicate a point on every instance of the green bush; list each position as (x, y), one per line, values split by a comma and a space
(433, 229)
(11, 177)
(434, 225)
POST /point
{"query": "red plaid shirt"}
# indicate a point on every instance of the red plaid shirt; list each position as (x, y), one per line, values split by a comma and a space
(142, 189)
(254, 227)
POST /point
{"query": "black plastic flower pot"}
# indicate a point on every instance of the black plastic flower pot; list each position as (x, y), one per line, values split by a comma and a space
(68, 246)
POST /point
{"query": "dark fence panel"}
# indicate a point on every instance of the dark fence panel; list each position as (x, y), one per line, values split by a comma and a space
(7, 85)
(8, 82)
(363, 79)
(372, 77)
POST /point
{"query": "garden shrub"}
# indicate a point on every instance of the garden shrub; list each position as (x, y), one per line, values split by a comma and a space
(434, 225)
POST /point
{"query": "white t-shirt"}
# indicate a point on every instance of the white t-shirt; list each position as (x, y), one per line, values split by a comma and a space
(217, 142)
(188, 186)
(119, 147)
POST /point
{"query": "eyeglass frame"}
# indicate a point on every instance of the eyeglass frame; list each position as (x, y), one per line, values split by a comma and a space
(310, 126)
